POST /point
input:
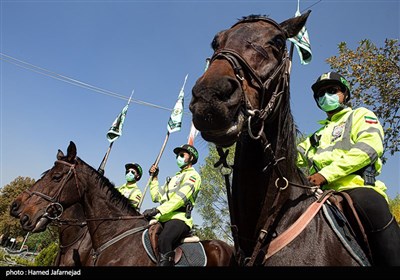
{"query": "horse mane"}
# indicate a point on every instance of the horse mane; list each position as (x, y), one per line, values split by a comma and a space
(103, 182)
(252, 17)
(287, 135)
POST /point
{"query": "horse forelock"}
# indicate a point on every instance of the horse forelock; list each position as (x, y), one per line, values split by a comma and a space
(252, 18)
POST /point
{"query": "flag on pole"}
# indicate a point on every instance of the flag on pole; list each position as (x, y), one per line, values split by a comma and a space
(175, 121)
(302, 42)
(193, 133)
(115, 130)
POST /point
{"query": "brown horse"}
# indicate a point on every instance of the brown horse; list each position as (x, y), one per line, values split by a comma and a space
(244, 98)
(74, 237)
(114, 225)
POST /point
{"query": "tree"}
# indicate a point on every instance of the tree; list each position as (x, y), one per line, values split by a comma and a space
(10, 226)
(212, 200)
(374, 76)
(394, 205)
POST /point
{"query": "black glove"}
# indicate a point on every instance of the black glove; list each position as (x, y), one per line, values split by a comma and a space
(150, 213)
(155, 173)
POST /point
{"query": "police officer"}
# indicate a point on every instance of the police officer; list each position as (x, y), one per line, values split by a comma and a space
(177, 198)
(133, 173)
(344, 155)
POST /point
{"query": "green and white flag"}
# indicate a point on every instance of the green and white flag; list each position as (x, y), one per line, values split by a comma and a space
(175, 121)
(115, 130)
(302, 42)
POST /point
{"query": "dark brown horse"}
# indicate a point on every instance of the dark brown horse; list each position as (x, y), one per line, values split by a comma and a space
(74, 237)
(114, 225)
(244, 98)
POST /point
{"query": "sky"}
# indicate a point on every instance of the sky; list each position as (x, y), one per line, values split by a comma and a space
(67, 69)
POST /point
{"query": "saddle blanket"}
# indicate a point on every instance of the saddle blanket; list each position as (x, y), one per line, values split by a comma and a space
(193, 253)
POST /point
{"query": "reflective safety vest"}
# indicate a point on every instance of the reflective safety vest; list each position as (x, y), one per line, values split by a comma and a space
(350, 141)
(132, 192)
(177, 197)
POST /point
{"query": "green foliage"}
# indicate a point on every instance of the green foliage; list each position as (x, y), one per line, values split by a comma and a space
(374, 76)
(47, 256)
(212, 201)
(394, 205)
(10, 226)
(40, 240)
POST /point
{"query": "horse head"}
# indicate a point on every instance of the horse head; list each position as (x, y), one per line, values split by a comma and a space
(245, 79)
(45, 200)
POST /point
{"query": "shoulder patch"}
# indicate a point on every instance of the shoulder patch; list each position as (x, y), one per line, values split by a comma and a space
(192, 179)
(370, 120)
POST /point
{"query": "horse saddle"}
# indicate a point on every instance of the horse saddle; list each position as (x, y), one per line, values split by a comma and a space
(344, 220)
(190, 251)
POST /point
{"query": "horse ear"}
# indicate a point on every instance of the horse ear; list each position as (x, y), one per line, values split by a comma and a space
(293, 26)
(60, 154)
(71, 152)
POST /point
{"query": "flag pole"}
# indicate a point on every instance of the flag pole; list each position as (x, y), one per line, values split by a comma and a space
(193, 131)
(162, 148)
(105, 158)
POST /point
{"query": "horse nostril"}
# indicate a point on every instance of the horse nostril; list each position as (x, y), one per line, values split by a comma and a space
(208, 118)
(24, 219)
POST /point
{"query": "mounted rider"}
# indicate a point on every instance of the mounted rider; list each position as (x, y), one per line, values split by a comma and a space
(177, 198)
(345, 155)
(133, 174)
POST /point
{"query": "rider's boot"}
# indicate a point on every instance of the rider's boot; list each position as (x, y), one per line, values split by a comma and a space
(167, 259)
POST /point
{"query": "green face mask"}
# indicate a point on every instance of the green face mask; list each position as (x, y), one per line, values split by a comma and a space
(329, 102)
(181, 161)
(130, 177)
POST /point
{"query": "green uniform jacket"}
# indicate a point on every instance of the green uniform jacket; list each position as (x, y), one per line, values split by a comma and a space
(176, 194)
(131, 192)
(351, 140)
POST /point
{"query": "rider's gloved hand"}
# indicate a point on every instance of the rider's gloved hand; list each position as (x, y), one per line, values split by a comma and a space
(150, 213)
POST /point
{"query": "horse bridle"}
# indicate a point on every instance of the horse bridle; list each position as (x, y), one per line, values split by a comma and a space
(54, 203)
(240, 65)
(266, 114)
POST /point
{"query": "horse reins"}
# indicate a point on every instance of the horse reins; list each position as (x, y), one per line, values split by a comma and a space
(54, 202)
(266, 114)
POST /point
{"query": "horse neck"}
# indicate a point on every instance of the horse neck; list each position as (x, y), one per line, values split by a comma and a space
(73, 225)
(75, 241)
(106, 210)
(254, 189)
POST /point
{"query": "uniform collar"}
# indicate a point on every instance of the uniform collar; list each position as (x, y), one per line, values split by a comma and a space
(336, 116)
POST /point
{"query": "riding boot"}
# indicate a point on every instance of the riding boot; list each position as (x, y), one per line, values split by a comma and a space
(385, 245)
(167, 259)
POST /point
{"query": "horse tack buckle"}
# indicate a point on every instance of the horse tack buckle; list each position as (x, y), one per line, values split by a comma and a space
(263, 234)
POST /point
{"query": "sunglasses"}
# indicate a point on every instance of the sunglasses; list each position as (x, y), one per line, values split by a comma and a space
(330, 90)
(131, 171)
(181, 154)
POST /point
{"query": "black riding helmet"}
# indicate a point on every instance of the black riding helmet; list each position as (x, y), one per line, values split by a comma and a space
(189, 149)
(135, 166)
(331, 78)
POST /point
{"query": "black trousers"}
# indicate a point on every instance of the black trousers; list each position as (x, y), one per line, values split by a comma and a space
(381, 227)
(171, 235)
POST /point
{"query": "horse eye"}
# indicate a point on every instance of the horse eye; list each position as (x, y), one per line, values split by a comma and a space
(57, 177)
(215, 43)
(278, 42)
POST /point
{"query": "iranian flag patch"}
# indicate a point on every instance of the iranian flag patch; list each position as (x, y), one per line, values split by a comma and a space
(192, 179)
(370, 120)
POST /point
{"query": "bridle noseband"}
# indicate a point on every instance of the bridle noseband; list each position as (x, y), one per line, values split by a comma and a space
(240, 66)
